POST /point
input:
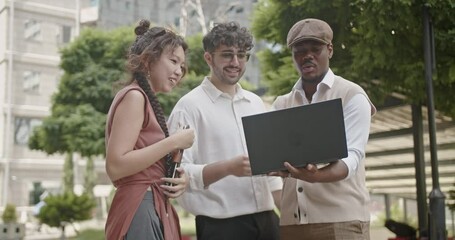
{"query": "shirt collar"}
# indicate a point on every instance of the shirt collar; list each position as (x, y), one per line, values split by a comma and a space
(328, 81)
(214, 93)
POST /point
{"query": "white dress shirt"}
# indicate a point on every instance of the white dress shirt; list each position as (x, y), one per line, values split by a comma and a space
(216, 118)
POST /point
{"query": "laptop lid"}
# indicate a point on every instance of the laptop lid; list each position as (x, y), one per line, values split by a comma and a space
(313, 133)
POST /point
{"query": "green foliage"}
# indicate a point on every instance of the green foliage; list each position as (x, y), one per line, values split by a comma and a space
(92, 64)
(36, 193)
(396, 214)
(69, 129)
(93, 86)
(68, 174)
(90, 177)
(85, 130)
(195, 55)
(93, 46)
(281, 80)
(9, 214)
(48, 137)
(247, 85)
(90, 234)
(66, 208)
(378, 44)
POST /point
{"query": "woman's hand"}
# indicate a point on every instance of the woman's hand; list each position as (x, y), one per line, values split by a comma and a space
(183, 138)
(178, 185)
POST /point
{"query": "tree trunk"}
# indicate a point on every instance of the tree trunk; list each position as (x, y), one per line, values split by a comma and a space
(63, 237)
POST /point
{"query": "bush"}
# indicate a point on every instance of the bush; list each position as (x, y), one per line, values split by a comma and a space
(66, 208)
(9, 215)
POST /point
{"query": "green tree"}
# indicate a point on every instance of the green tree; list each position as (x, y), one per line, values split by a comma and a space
(90, 177)
(91, 65)
(64, 209)
(195, 56)
(378, 44)
(68, 174)
(94, 65)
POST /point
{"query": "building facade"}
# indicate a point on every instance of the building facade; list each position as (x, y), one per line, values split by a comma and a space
(31, 34)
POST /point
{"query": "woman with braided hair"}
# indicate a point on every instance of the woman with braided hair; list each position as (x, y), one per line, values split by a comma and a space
(138, 146)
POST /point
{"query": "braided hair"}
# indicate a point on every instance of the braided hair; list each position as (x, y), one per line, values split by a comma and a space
(146, 50)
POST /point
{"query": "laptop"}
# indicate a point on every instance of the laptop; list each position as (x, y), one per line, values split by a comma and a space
(313, 133)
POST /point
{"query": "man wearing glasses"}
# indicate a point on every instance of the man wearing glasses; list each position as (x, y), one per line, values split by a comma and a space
(227, 201)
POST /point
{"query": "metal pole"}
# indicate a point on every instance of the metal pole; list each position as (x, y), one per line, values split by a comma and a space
(437, 206)
(422, 206)
(387, 206)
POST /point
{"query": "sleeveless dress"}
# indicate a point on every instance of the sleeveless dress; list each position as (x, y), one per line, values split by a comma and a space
(131, 189)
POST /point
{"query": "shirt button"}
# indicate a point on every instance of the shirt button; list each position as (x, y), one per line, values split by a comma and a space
(304, 214)
(295, 215)
(300, 189)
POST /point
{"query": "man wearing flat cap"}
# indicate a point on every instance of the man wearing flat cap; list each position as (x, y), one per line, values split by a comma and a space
(331, 201)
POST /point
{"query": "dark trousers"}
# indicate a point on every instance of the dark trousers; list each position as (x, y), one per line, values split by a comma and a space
(257, 226)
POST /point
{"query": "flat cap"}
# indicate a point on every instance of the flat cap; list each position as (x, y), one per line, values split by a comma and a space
(310, 29)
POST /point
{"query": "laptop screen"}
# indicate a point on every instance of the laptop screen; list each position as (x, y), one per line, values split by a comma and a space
(313, 133)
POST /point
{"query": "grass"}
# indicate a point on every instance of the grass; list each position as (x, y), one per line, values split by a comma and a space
(90, 234)
(98, 234)
(186, 224)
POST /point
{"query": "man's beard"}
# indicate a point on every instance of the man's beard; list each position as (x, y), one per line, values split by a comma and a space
(314, 80)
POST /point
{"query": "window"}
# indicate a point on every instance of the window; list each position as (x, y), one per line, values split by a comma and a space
(32, 30)
(23, 127)
(31, 81)
(66, 34)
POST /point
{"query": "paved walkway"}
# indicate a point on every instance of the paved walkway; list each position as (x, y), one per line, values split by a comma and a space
(47, 233)
(52, 233)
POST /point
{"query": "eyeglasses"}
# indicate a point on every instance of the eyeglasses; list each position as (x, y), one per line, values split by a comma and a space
(229, 56)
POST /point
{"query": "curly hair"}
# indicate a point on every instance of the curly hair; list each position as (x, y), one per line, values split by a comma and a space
(229, 34)
(146, 50)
